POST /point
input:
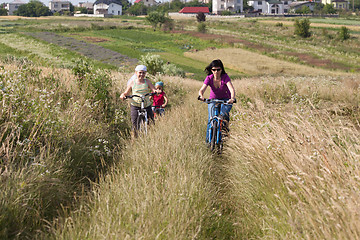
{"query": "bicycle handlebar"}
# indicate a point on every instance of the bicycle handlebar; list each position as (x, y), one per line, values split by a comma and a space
(139, 96)
(215, 100)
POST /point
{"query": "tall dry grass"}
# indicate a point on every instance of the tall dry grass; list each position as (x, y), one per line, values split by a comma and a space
(161, 188)
(293, 159)
(54, 138)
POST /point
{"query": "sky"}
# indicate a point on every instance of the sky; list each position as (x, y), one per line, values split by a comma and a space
(74, 2)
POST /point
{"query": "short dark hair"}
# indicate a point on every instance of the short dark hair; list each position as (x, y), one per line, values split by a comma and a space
(215, 63)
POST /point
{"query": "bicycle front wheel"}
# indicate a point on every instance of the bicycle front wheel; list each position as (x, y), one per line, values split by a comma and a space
(213, 138)
(142, 125)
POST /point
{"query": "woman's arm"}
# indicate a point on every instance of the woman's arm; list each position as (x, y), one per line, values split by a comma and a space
(232, 92)
(151, 86)
(202, 91)
(126, 92)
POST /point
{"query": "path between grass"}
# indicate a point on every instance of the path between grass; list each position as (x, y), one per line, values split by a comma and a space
(87, 49)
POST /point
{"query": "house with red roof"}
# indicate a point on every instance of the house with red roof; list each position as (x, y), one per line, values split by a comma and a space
(194, 10)
(147, 3)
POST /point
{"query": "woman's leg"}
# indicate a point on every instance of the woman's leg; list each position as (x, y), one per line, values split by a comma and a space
(225, 111)
(134, 117)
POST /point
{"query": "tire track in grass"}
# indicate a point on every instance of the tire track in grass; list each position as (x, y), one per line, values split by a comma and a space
(87, 49)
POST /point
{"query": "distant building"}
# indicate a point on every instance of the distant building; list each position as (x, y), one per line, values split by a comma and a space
(87, 5)
(219, 6)
(194, 10)
(13, 6)
(106, 7)
(294, 6)
(59, 6)
(338, 4)
(147, 3)
(270, 6)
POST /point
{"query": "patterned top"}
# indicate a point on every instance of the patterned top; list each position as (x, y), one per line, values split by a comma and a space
(140, 89)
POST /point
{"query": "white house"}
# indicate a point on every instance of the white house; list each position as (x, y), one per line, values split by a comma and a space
(270, 6)
(13, 6)
(59, 6)
(112, 7)
(219, 6)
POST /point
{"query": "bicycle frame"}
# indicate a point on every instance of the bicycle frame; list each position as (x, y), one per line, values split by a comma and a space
(142, 114)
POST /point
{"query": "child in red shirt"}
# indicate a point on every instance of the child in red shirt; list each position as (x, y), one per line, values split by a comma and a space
(160, 99)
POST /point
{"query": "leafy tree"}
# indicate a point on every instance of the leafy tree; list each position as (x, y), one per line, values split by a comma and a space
(72, 8)
(304, 10)
(200, 17)
(3, 12)
(125, 4)
(156, 18)
(344, 33)
(82, 10)
(302, 28)
(329, 9)
(137, 9)
(34, 8)
(194, 3)
(176, 5)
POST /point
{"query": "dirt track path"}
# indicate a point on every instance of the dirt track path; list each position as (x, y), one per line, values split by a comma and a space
(87, 49)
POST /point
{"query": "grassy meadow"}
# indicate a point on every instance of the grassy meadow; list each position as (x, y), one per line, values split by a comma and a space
(71, 170)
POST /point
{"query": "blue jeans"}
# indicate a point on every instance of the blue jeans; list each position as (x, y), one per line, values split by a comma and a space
(224, 111)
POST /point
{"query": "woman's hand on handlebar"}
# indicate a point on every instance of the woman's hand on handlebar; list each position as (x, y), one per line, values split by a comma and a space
(123, 96)
(201, 98)
(231, 101)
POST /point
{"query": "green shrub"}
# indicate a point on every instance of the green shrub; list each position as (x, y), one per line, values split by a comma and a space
(173, 70)
(226, 13)
(302, 28)
(153, 63)
(156, 65)
(201, 27)
(344, 33)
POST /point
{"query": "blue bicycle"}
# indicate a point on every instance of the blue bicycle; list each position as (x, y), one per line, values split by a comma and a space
(217, 126)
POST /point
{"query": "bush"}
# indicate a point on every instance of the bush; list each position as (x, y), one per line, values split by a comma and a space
(173, 70)
(302, 28)
(153, 63)
(201, 27)
(156, 65)
(226, 13)
(344, 33)
(200, 17)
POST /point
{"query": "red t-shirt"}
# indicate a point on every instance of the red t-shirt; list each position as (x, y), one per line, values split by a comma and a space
(158, 99)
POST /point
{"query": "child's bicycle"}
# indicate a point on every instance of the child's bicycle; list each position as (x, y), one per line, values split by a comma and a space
(158, 111)
(142, 120)
(216, 125)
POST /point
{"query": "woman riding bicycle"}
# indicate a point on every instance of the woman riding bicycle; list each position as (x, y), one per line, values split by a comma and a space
(139, 86)
(221, 88)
